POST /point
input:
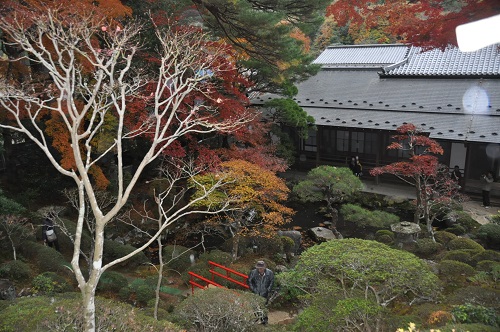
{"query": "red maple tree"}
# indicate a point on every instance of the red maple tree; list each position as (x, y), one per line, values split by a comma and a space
(425, 23)
(435, 190)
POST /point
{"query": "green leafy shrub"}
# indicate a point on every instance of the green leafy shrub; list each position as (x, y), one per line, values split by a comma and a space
(112, 281)
(365, 218)
(464, 243)
(287, 243)
(384, 236)
(461, 255)
(451, 270)
(484, 296)
(472, 313)
(114, 250)
(15, 270)
(218, 309)
(490, 235)
(177, 257)
(487, 255)
(216, 255)
(50, 283)
(426, 248)
(466, 221)
(267, 246)
(457, 230)
(444, 237)
(39, 314)
(45, 258)
(486, 266)
(144, 294)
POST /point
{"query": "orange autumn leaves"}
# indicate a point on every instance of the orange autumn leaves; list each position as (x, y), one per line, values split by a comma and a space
(250, 187)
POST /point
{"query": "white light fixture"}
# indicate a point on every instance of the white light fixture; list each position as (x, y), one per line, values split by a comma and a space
(476, 35)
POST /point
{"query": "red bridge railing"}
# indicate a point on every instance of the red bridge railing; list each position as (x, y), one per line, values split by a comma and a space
(228, 274)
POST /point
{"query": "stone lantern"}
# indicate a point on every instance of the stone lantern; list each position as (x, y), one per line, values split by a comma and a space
(405, 231)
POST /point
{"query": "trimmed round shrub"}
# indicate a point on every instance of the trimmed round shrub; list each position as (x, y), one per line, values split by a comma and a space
(444, 237)
(464, 243)
(453, 269)
(15, 270)
(426, 248)
(384, 236)
(144, 294)
(50, 283)
(287, 243)
(44, 257)
(43, 313)
(114, 250)
(112, 281)
(218, 309)
(466, 221)
(484, 296)
(487, 255)
(216, 255)
(489, 234)
(457, 230)
(461, 255)
(487, 266)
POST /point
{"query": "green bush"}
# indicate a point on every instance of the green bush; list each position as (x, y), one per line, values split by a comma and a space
(461, 255)
(487, 266)
(471, 313)
(384, 236)
(45, 258)
(466, 221)
(489, 234)
(480, 295)
(287, 243)
(112, 281)
(215, 309)
(217, 256)
(15, 270)
(457, 230)
(50, 283)
(267, 246)
(444, 237)
(454, 269)
(426, 248)
(487, 255)
(114, 250)
(365, 218)
(177, 257)
(144, 294)
(464, 243)
(57, 313)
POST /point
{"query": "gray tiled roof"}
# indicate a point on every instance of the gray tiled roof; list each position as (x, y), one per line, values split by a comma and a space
(362, 56)
(458, 109)
(463, 104)
(450, 62)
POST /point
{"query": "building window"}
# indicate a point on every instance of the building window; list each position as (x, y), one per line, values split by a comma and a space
(342, 140)
(357, 142)
(310, 144)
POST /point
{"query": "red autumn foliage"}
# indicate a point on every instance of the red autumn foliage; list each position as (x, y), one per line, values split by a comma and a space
(425, 23)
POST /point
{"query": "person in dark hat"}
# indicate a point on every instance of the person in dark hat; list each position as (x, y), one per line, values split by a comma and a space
(261, 281)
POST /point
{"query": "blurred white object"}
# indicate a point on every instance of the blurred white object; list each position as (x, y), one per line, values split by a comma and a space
(476, 35)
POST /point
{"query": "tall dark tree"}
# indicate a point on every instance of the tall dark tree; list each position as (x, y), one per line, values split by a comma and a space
(264, 31)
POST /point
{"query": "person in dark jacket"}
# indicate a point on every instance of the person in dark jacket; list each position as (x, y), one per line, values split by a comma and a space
(261, 281)
(49, 233)
(487, 180)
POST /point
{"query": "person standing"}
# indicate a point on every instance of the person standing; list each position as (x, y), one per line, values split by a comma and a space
(49, 233)
(456, 175)
(487, 180)
(261, 281)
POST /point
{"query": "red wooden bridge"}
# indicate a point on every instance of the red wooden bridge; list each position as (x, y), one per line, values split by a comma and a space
(197, 281)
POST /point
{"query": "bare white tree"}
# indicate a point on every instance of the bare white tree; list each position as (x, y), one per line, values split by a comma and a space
(93, 77)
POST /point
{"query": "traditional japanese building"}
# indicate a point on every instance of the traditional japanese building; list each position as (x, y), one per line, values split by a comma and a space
(364, 92)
